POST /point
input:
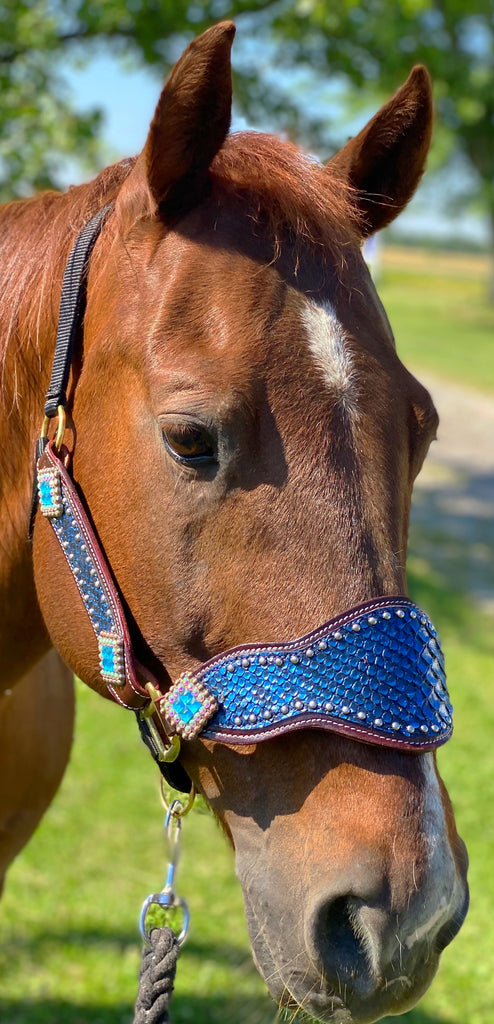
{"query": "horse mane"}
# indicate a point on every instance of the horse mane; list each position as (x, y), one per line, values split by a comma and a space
(35, 238)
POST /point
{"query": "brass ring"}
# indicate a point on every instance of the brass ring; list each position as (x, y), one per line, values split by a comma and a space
(179, 809)
(60, 426)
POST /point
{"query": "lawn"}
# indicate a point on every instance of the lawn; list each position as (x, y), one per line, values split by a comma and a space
(438, 308)
(69, 949)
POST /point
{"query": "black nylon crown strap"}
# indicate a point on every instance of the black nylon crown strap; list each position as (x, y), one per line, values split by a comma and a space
(72, 304)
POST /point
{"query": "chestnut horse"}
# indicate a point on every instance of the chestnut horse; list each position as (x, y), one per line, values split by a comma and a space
(247, 441)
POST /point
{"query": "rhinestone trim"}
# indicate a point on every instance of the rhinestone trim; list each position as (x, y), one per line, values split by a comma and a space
(50, 493)
(188, 706)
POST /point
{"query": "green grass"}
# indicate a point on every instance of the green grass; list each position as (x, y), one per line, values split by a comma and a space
(442, 321)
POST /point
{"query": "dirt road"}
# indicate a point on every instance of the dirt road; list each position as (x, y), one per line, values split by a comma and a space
(453, 507)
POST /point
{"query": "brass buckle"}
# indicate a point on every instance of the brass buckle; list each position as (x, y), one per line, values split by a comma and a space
(165, 753)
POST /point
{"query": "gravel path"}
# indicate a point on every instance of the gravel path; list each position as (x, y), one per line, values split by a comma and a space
(453, 505)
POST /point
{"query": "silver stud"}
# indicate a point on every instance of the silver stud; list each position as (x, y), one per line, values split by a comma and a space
(386, 615)
(299, 705)
(238, 721)
(356, 627)
(395, 726)
(309, 652)
(313, 705)
(413, 615)
(345, 709)
(361, 715)
(262, 660)
(328, 706)
(83, 547)
(322, 645)
(278, 662)
(245, 663)
(410, 728)
(435, 728)
(400, 613)
(230, 667)
(337, 635)
(266, 714)
(252, 719)
(284, 709)
(92, 572)
(77, 536)
(372, 620)
(294, 658)
(424, 728)
(378, 722)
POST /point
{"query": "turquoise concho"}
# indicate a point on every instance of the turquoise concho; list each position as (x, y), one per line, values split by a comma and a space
(188, 706)
(111, 658)
(50, 493)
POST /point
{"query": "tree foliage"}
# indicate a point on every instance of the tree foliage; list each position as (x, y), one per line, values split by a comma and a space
(370, 45)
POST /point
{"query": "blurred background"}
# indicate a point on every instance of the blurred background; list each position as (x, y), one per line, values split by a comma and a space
(79, 83)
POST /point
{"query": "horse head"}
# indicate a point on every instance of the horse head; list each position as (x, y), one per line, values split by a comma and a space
(247, 442)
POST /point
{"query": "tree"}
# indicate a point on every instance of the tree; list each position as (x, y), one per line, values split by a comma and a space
(370, 45)
(374, 44)
(39, 122)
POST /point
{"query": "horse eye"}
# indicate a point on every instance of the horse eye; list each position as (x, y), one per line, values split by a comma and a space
(189, 444)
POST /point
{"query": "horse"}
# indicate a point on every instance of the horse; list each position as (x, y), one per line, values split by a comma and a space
(244, 440)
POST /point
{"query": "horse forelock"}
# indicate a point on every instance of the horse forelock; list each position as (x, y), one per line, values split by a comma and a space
(287, 192)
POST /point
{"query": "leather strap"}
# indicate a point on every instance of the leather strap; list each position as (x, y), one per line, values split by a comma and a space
(72, 307)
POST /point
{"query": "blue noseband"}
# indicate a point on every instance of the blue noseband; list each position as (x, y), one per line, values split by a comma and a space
(375, 673)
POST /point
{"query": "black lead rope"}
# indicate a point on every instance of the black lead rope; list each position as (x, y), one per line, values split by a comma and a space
(156, 978)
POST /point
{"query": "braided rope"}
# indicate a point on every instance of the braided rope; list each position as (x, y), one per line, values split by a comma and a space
(156, 978)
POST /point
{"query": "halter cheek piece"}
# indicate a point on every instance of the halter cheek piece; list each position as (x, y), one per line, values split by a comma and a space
(375, 673)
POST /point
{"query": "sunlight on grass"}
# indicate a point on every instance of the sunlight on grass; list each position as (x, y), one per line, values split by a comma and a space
(442, 322)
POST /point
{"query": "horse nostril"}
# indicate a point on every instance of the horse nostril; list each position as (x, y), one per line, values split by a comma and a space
(338, 940)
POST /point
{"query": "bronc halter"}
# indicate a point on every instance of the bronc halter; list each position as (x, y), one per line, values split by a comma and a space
(374, 673)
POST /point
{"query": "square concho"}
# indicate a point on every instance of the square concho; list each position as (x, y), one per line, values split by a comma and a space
(111, 658)
(50, 492)
(188, 706)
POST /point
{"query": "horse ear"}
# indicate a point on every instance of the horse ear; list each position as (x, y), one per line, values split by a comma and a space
(385, 161)
(189, 126)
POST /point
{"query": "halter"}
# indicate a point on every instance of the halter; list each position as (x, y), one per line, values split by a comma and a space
(375, 673)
